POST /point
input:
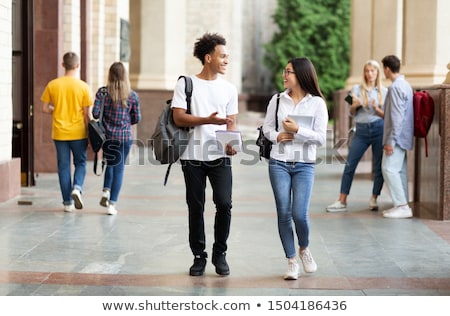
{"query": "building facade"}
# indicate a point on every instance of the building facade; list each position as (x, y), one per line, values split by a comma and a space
(155, 40)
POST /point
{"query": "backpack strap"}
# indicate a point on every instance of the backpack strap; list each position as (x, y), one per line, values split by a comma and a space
(103, 93)
(95, 165)
(188, 90)
(167, 173)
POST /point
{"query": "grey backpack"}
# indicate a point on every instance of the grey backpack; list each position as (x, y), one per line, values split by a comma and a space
(168, 140)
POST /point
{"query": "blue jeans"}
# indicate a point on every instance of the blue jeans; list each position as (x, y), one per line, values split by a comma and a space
(115, 153)
(292, 184)
(370, 134)
(78, 150)
(220, 177)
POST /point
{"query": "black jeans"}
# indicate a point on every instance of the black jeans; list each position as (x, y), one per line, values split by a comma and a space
(219, 174)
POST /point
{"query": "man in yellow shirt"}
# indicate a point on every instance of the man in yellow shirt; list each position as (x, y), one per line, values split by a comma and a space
(68, 99)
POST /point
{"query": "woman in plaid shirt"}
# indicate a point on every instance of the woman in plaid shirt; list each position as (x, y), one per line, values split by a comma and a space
(121, 110)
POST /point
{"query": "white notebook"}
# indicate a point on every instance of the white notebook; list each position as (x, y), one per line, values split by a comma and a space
(303, 120)
(234, 138)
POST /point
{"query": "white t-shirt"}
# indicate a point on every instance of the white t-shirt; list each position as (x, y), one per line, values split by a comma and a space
(208, 96)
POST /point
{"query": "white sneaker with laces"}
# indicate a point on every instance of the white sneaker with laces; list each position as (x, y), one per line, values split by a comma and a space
(69, 208)
(112, 209)
(76, 196)
(403, 211)
(373, 205)
(293, 270)
(104, 201)
(337, 206)
(309, 265)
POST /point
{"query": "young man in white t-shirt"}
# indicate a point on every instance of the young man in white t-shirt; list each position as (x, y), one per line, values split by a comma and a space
(214, 106)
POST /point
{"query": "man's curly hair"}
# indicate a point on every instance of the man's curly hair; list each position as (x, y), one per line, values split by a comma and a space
(206, 45)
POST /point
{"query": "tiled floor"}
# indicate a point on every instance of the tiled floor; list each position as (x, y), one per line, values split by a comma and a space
(144, 250)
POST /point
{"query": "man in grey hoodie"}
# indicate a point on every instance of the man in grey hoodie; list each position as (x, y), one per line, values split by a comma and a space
(398, 137)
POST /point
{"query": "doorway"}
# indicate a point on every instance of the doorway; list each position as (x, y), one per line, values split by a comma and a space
(22, 88)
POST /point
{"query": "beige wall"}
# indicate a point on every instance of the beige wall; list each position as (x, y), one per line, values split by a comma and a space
(71, 26)
(157, 43)
(427, 41)
(5, 81)
(9, 167)
(105, 38)
(414, 30)
(164, 32)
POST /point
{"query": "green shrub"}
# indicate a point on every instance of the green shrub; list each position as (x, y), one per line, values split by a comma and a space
(319, 30)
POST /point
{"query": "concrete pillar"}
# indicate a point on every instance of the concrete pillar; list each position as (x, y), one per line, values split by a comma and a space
(376, 31)
(414, 30)
(426, 41)
(163, 33)
(158, 43)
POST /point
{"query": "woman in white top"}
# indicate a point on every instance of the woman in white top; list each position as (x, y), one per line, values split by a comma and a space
(293, 156)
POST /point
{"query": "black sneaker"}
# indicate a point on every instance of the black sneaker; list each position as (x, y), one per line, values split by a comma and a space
(221, 264)
(198, 268)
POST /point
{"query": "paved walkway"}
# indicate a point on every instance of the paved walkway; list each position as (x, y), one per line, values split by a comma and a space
(144, 250)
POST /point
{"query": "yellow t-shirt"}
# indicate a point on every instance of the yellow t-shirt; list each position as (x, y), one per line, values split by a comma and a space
(68, 95)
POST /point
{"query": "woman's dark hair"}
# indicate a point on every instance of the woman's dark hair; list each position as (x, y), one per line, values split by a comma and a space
(392, 62)
(206, 45)
(306, 76)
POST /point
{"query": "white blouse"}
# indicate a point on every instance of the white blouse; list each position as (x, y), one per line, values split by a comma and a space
(304, 146)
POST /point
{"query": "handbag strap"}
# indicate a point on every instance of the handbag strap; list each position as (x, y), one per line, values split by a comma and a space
(103, 93)
(276, 112)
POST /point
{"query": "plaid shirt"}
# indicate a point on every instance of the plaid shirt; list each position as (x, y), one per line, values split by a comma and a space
(117, 120)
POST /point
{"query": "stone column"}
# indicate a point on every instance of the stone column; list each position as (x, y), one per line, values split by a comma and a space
(414, 30)
(376, 31)
(426, 41)
(157, 43)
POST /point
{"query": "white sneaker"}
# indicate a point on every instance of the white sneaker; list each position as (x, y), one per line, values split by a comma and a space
(403, 211)
(389, 210)
(373, 205)
(309, 265)
(337, 206)
(293, 270)
(76, 196)
(69, 208)
(104, 201)
(112, 209)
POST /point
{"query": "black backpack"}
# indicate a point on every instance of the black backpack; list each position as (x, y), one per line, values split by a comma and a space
(96, 132)
(168, 140)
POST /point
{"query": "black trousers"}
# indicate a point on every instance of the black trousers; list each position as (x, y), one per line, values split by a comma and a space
(220, 177)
